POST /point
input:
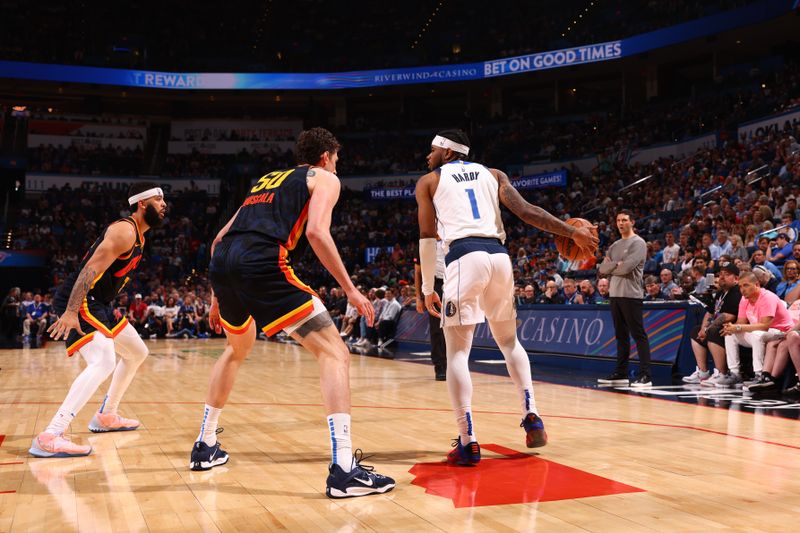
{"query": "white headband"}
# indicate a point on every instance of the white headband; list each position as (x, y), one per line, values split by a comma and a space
(149, 193)
(441, 142)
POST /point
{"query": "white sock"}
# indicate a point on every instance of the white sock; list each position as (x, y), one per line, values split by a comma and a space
(208, 429)
(528, 401)
(60, 422)
(341, 445)
(464, 422)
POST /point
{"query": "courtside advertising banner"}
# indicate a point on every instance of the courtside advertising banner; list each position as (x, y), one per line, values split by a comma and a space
(584, 330)
(751, 14)
(541, 181)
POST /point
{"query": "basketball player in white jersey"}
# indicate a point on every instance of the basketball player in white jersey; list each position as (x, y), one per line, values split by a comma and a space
(460, 201)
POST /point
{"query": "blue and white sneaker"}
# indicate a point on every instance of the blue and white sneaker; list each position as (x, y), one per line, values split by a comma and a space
(535, 435)
(362, 480)
(461, 455)
(205, 457)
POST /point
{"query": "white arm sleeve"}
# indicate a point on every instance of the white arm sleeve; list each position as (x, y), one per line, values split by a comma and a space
(427, 260)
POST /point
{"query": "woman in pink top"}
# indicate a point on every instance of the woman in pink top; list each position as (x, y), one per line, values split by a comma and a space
(761, 312)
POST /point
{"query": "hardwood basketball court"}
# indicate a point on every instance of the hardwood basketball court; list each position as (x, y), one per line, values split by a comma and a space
(614, 462)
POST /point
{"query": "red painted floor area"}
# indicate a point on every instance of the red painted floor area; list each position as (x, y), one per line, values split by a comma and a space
(515, 478)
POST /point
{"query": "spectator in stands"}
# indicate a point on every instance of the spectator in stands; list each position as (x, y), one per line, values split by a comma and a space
(791, 279)
(350, 319)
(202, 328)
(686, 287)
(652, 289)
(672, 252)
(48, 301)
(588, 292)
(688, 259)
(27, 301)
(701, 262)
(793, 346)
(387, 322)
(651, 262)
(759, 258)
(776, 356)
(668, 284)
(602, 291)
(699, 279)
(137, 313)
(378, 304)
(704, 255)
(155, 324)
(765, 278)
(738, 250)
(782, 250)
(571, 294)
(708, 335)
(185, 321)
(553, 273)
(722, 246)
(338, 306)
(760, 312)
(796, 251)
(171, 310)
(529, 295)
(551, 294)
(36, 313)
(9, 319)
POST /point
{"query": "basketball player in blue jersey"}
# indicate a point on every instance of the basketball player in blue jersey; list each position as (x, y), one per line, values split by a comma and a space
(460, 201)
(86, 322)
(255, 287)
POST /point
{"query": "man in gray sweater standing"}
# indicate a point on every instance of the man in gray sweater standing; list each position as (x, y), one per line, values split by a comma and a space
(624, 261)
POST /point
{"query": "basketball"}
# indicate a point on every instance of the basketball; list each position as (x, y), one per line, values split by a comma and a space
(567, 247)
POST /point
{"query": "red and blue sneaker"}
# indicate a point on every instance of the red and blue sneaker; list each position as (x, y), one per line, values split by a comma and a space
(461, 455)
(535, 435)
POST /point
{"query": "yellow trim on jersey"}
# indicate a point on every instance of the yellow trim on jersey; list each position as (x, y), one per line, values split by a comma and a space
(289, 318)
(99, 326)
(236, 330)
(80, 343)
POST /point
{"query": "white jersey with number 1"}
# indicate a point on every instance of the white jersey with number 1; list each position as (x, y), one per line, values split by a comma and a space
(478, 281)
(466, 203)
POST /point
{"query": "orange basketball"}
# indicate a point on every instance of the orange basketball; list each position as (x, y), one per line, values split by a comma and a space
(567, 247)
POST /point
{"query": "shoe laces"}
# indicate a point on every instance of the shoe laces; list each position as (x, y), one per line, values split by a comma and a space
(456, 441)
(358, 456)
(529, 415)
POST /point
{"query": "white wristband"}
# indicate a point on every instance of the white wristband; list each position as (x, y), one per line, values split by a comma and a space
(427, 260)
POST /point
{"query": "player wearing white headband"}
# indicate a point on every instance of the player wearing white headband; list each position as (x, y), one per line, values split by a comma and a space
(86, 322)
(460, 201)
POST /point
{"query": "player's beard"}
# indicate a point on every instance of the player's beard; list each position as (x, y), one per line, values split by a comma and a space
(151, 216)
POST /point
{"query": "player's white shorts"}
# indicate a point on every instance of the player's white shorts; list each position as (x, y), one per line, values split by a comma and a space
(477, 286)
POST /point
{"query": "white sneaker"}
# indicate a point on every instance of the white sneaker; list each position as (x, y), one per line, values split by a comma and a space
(729, 380)
(712, 381)
(697, 376)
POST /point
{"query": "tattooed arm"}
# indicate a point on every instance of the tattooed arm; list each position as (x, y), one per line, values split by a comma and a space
(538, 217)
(119, 239)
